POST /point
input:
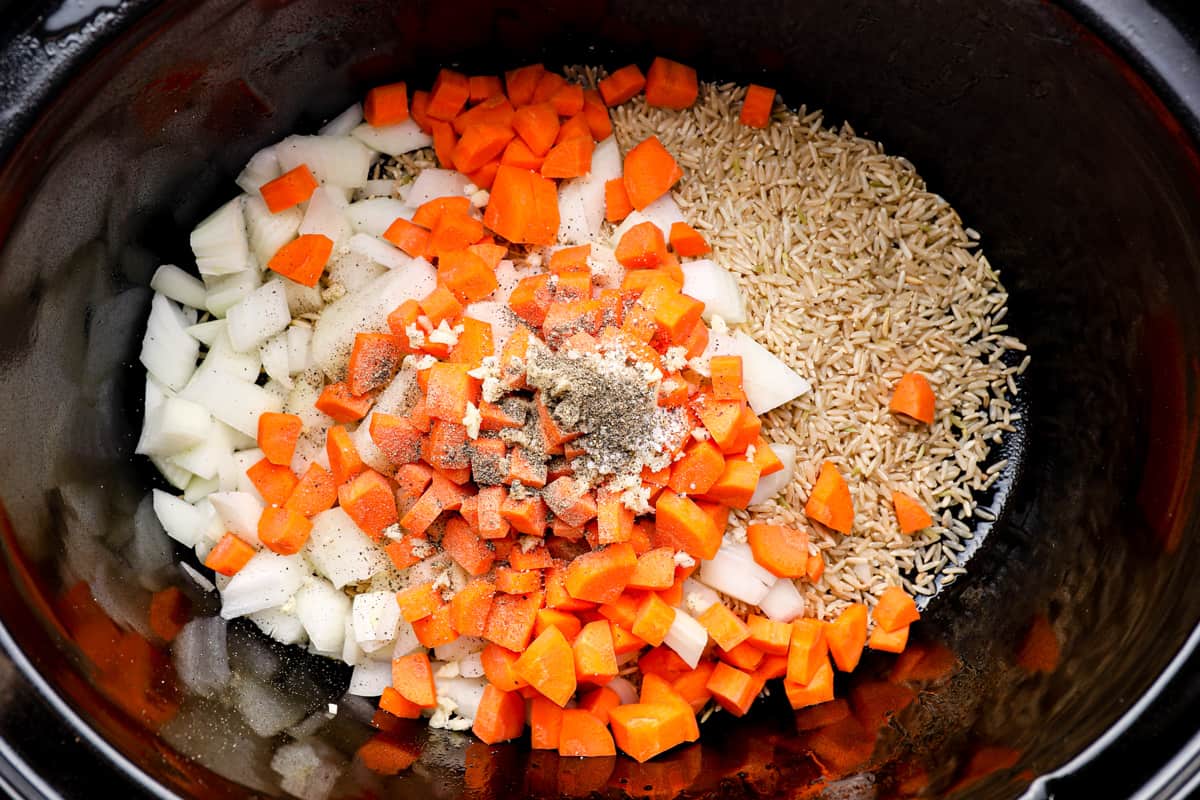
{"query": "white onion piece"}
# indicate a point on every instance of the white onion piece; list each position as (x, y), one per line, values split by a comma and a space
(199, 488)
(607, 272)
(174, 426)
(206, 332)
(376, 618)
(664, 212)
(276, 361)
(465, 692)
(201, 655)
(175, 475)
(266, 581)
(279, 625)
(698, 598)
(376, 214)
(262, 167)
(155, 394)
(771, 485)
(223, 359)
(406, 640)
(226, 291)
(343, 123)
(370, 678)
(716, 288)
(235, 402)
(353, 270)
(379, 251)
(340, 551)
(784, 602)
(588, 191)
(471, 666)
(397, 399)
(499, 316)
(431, 183)
(181, 520)
(459, 649)
(377, 187)
(178, 285)
(168, 351)
(269, 231)
(326, 216)
(508, 275)
(196, 577)
(732, 573)
(768, 382)
(366, 311)
(219, 242)
(395, 140)
(574, 226)
(340, 160)
(687, 637)
(351, 653)
(242, 461)
(258, 317)
(239, 513)
(299, 337)
(322, 610)
(634, 219)
(624, 689)
(205, 459)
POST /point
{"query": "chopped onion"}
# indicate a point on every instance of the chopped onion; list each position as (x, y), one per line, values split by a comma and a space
(624, 689)
(371, 677)
(771, 485)
(178, 285)
(168, 351)
(397, 399)
(465, 692)
(279, 625)
(366, 311)
(784, 602)
(174, 426)
(395, 140)
(698, 598)
(634, 219)
(174, 474)
(262, 167)
(322, 610)
(379, 251)
(507, 278)
(301, 299)
(716, 288)
(239, 513)
(223, 359)
(225, 291)
(268, 231)
(687, 637)
(376, 187)
(432, 183)
(235, 402)
(243, 460)
(351, 653)
(201, 655)
(376, 214)
(459, 649)
(340, 160)
(326, 216)
(275, 359)
(206, 332)
(499, 316)
(202, 583)
(299, 337)
(353, 270)
(736, 574)
(664, 212)
(199, 488)
(219, 243)
(607, 272)
(376, 618)
(406, 640)
(266, 581)
(573, 227)
(341, 551)
(258, 317)
(205, 459)
(181, 520)
(768, 382)
(471, 666)
(343, 123)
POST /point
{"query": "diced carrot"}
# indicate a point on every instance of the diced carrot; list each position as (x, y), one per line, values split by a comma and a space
(419, 109)
(653, 620)
(570, 259)
(492, 524)
(624, 641)
(770, 636)
(441, 304)
(736, 485)
(386, 105)
(409, 237)
(412, 677)
(523, 207)
(303, 259)
(521, 83)
(594, 653)
(517, 154)
(429, 213)
(756, 108)
(780, 549)
(444, 142)
(655, 570)
(449, 94)
(485, 176)
(449, 391)
(595, 112)
(277, 436)
(765, 459)
(288, 190)
(816, 568)
(616, 200)
(807, 650)
(406, 315)
(568, 100)
(913, 398)
(569, 159)
(484, 86)
(470, 607)
(341, 404)
(545, 723)
(406, 551)
(644, 730)
(466, 548)
(622, 85)
(527, 515)
(398, 705)
(419, 601)
(911, 516)
(344, 461)
(817, 689)
(657, 690)
(734, 689)
(369, 501)
(599, 702)
(537, 125)
(282, 530)
(846, 636)
(512, 619)
(396, 437)
(622, 610)
(274, 483)
(568, 623)
(570, 501)
(499, 666)
(501, 716)
(446, 449)
(702, 464)
(601, 575)
(687, 242)
(436, 629)
(683, 525)
(670, 84)
(170, 610)
(584, 735)
(744, 656)
(229, 555)
(374, 361)
(515, 581)
(641, 247)
(726, 376)
(480, 144)
(614, 520)
(692, 686)
(888, 641)
(649, 173)
(494, 110)
(548, 665)
(677, 314)
(452, 232)
(895, 609)
(725, 628)
(547, 86)
(830, 503)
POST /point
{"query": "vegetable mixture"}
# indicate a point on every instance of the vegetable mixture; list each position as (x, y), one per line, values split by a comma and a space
(479, 435)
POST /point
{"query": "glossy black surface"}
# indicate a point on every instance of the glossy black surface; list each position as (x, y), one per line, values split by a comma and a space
(1085, 186)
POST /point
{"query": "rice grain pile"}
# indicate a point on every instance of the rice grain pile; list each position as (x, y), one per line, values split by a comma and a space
(854, 273)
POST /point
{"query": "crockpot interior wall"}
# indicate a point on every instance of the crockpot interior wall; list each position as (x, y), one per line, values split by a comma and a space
(1088, 201)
